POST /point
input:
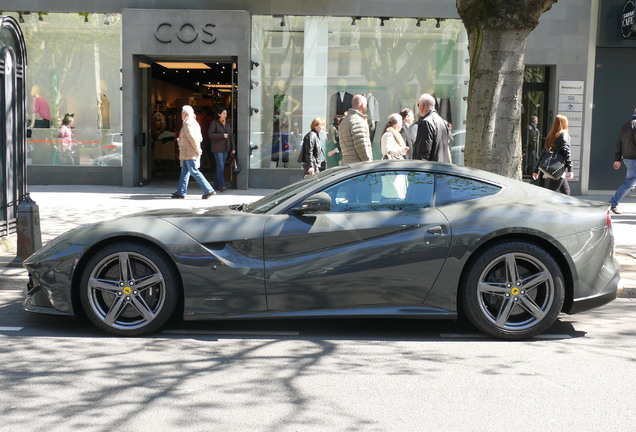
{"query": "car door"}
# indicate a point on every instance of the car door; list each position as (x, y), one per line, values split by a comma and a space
(381, 244)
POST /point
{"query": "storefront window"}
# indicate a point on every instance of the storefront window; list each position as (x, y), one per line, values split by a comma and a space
(307, 67)
(74, 63)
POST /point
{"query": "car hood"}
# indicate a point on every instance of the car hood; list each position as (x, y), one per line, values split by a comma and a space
(207, 225)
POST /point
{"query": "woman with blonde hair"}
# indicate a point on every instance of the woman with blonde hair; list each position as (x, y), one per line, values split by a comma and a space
(393, 145)
(311, 157)
(558, 140)
(190, 155)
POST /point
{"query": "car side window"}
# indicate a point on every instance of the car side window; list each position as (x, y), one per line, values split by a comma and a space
(383, 191)
(451, 189)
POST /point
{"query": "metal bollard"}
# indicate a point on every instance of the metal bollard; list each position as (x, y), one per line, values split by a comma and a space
(28, 231)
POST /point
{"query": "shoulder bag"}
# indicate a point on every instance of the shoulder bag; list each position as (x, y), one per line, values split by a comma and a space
(552, 165)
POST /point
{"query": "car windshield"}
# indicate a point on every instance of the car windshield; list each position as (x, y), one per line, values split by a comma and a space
(267, 203)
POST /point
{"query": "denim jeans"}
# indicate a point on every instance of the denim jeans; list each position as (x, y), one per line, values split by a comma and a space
(630, 182)
(188, 167)
(219, 175)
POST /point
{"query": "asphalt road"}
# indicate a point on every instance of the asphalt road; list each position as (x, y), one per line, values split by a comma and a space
(345, 375)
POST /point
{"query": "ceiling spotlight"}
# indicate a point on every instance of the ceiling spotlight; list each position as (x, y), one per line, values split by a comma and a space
(253, 84)
(40, 16)
(438, 21)
(354, 19)
(419, 22)
(20, 19)
(282, 19)
(253, 110)
(382, 19)
(108, 18)
(254, 64)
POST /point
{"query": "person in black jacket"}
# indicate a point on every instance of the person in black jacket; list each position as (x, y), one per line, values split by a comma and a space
(311, 156)
(625, 151)
(222, 145)
(432, 140)
(558, 140)
(407, 136)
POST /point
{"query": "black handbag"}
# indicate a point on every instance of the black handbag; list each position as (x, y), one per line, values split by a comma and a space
(236, 166)
(552, 165)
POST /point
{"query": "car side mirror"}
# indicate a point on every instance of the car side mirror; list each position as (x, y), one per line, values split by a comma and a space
(320, 202)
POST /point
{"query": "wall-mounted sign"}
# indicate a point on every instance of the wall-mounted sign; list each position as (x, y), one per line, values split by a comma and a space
(628, 25)
(186, 33)
(571, 97)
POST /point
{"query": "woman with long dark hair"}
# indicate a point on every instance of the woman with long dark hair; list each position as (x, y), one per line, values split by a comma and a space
(222, 145)
(558, 140)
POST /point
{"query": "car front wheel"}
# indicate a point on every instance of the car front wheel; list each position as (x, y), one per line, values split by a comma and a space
(128, 289)
(513, 291)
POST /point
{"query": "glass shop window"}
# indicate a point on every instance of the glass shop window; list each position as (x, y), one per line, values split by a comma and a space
(73, 88)
(312, 66)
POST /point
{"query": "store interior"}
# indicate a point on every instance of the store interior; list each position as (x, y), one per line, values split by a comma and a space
(206, 86)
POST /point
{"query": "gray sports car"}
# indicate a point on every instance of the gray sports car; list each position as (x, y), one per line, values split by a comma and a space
(403, 239)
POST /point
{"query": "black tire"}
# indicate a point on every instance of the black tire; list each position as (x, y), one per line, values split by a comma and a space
(133, 302)
(513, 291)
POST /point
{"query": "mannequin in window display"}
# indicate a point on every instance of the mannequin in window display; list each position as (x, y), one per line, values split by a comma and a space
(284, 107)
(41, 109)
(373, 110)
(103, 121)
(340, 102)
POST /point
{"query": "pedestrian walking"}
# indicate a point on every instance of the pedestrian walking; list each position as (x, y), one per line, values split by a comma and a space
(311, 156)
(625, 152)
(407, 133)
(222, 145)
(558, 141)
(190, 155)
(432, 140)
(355, 142)
(392, 143)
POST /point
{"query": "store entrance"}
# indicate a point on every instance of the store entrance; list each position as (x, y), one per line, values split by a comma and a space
(205, 85)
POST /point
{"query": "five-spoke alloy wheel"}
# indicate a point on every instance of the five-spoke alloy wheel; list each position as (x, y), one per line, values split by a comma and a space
(513, 290)
(128, 289)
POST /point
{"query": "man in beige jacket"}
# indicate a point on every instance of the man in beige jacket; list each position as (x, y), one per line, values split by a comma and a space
(355, 143)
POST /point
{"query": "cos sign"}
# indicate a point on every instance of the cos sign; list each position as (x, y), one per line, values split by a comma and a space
(186, 33)
(628, 29)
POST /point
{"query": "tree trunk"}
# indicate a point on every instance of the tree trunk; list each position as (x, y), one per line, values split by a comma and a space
(497, 34)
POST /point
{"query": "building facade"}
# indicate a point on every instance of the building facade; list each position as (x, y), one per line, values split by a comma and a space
(124, 69)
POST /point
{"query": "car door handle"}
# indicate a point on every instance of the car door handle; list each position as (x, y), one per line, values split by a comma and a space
(435, 230)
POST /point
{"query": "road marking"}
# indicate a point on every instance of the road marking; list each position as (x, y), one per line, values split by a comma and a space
(553, 336)
(484, 336)
(463, 336)
(233, 333)
(11, 329)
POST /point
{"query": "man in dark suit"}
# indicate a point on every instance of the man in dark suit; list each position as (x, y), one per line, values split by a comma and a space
(407, 134)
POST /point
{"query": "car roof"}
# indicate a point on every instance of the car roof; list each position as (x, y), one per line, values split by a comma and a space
(442, 168)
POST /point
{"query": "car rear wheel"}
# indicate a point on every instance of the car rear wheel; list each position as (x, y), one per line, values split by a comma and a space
(129, 289)
(513, 291)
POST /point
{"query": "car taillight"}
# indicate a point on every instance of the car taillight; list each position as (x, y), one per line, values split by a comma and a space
(608, 220)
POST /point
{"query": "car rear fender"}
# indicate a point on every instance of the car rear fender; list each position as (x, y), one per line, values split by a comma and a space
(456, 267)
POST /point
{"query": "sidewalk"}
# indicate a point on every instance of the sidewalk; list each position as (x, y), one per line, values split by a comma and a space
(62, 207)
